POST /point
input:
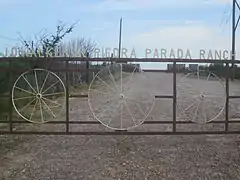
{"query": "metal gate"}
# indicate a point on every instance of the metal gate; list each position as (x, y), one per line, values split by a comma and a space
(62, 69)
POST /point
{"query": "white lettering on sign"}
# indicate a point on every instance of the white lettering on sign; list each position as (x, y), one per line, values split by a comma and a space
(147, 52)
(97, 53)
(218, 55)
(160, 53)
(164, 53)
(133, 54)
(115, 52)
(108, 52)
(180, 53)
(124, 53)
(225, 55)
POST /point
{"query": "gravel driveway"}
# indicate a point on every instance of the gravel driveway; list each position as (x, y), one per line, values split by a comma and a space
(203, 157)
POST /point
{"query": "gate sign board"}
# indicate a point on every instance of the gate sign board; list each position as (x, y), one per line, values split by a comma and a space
(163, 53)
(160, 53)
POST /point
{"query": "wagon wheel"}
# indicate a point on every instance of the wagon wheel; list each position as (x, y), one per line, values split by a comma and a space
(38, 96)
(200, 97)
(118, 97)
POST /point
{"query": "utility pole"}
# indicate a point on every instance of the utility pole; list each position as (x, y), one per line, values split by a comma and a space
(120, 39)
(234, 28)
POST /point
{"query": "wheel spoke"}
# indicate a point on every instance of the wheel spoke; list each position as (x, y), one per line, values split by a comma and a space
(187, 99)
(98, 91)
(121, 125)
(131, 76)
(204, 113)
(112, 111)
(29, 84)
(41, 111)
(26, 97)
(28, 104)
(50, 87)
(36, 80)
(103, 82)
(110, 118)
(209, 75)
(51, 101)
(137, 103)
(213, 94)
(114, 86)
(196, 111)
(204, 95)
(198, 80)
(34, 108)
(129, 111)
(49, 109)
(53, 94)
(113, 79)
(109, 122)
(188, 107)
(39, 101)
(29, 92)
(110, 99)
(102, 112)
(45, 80)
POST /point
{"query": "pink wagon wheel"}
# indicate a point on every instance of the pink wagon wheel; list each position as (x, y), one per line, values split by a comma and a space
(118, 97)
(200, 97)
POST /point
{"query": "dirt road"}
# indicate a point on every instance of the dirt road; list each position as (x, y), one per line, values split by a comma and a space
(204, 157)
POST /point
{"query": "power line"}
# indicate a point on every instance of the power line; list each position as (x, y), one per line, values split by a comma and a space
(225, 17)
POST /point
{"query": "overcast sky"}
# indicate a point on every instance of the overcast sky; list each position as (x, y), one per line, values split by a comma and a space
(185, 24)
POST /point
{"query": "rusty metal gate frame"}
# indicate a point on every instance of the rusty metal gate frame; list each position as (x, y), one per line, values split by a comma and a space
(67, 123)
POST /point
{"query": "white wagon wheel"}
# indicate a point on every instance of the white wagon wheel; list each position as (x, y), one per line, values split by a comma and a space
(118, 97)
(200, 97)
(38, 96)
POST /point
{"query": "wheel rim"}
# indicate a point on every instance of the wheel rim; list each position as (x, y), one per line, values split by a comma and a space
(118, 98)
(38, 96)
(201, 97)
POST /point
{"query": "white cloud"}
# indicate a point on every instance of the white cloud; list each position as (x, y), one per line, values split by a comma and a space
(188, 34)
(193, 37)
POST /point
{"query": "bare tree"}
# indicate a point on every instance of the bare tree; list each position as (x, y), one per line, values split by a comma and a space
(45, 44)
(79, 47)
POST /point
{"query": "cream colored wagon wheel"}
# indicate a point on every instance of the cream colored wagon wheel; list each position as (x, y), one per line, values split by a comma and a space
(119, 98)
(38, 96)
(200, 97)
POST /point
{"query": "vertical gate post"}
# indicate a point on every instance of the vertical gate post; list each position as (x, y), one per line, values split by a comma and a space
(174, 96)
(227, 96)
(67, 95)
(10, 95)
(87, 69)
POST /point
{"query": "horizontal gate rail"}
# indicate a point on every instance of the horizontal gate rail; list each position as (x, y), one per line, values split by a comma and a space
(111, 133)
(66, 69)
(74, 59)
(145, 122)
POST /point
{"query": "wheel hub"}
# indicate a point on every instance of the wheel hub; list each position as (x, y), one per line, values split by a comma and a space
(38, 95)
(122, 96)
(202, 95)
